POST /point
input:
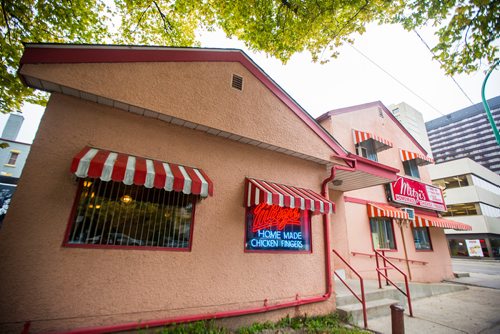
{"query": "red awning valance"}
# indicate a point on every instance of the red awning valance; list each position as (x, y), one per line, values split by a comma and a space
(258, 191)
(376, 210)
(420, 158)
(380, 143)
(112, 166)
(429, 221)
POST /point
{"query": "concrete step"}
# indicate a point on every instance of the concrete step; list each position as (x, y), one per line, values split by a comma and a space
(384, 293)
(424, 290)
(374, 308)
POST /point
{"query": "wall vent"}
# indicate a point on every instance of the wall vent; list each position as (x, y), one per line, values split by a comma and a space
(237, 82)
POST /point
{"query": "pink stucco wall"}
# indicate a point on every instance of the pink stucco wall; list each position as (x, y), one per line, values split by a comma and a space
(193, 91)
(353, 221)
(60, 288)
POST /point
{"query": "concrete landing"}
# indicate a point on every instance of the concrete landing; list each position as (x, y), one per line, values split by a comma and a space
(379, 300)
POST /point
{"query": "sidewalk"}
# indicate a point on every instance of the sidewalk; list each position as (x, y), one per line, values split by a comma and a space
(475, 310)
(479, 280)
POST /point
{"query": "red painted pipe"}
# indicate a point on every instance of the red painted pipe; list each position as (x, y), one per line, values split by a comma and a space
(235, 313)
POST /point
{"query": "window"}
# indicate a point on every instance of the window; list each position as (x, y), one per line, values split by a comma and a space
(411, 168)
(366, 149)
(452, 182)
(275, 228)
(422, 238)
(382, 233)
(13, 158)
(463, 209)
(112, 214)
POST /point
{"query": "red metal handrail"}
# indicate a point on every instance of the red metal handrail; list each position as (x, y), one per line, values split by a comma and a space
(391, 257)
(361, 299)
(387, 280)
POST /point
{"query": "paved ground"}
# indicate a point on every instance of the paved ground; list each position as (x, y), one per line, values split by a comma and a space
(482, 273)
(490, 267)
(475, 310)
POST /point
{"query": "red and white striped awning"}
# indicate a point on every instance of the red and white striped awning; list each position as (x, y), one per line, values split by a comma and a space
(420, 158)
(258, 191)
(380, 143)
(429, 221)
(111, 166)
(376, 210)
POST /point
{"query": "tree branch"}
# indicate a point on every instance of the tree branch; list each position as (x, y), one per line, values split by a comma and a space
(4, 12)
(164, 18)
(141, 17)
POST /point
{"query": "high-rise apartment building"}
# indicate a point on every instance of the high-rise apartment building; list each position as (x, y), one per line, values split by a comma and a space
(413, 121)
(467, 133)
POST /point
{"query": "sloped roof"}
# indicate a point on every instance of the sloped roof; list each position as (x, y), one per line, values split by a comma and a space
(369, 105)
(48, 53)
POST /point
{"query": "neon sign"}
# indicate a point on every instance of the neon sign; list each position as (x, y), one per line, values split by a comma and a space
(267, 216)
(274, 228)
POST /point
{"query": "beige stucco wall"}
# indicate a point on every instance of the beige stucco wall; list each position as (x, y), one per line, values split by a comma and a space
(199, 92)
(60, 288)
(354, 222)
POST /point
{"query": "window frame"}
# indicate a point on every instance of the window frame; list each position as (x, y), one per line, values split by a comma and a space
(367, 147)
(308, 226)
(13, 154)
(391, 222)
(410, 168)
(425, 228)
(66, 242)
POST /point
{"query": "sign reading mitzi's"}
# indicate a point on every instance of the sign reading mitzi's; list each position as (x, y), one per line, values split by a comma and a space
(411, 192)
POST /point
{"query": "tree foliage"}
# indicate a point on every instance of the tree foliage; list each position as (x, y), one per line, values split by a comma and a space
(280, 28)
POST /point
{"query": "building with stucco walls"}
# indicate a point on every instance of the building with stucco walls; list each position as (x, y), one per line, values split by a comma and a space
(168, 185)
(380, 217)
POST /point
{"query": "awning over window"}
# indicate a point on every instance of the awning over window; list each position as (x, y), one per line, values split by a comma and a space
(111, 166)
(376, 210)
(428, 221)
(419, 158)
(379, 142)
(258, 191)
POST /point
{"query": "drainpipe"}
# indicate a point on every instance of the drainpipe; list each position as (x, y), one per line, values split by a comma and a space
(326, 218)
(265, 308)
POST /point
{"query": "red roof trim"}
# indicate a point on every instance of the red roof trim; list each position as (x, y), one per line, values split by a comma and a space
(368, 105)
(70, 54)
(375, 168)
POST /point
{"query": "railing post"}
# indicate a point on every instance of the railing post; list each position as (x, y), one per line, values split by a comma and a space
(363, 302)
(397, 319)
(385, 269)
(408, 297)
(378, 272)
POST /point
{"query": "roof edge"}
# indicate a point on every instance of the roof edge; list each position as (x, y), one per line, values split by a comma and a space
(53, 53)
(344, 110)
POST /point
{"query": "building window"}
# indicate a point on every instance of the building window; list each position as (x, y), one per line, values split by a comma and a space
(463, 209)
(411, 168)
(366, 149)
(422, 238)
(382, 233)
(115, 215)
(13, 158)
(275, 228)
(452, 182)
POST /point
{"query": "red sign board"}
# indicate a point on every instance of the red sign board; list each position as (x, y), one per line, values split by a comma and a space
(414, 193)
